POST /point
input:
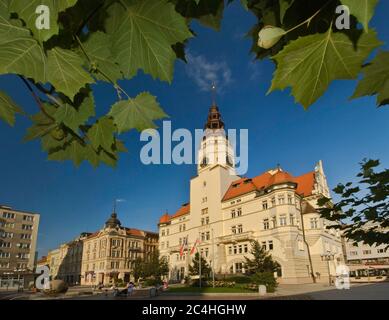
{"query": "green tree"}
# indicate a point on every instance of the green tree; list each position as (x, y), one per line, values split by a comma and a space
(93, 41)
(152, 267)
(265, 278)
(138, 269)
(156, 266)
(363, 207)
(261, 260)
(194, 268)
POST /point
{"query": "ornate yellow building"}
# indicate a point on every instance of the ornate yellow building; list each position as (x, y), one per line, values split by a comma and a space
(227, 211)
(109, 254)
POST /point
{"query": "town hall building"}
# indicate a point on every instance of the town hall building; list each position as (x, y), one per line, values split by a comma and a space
(226, 212)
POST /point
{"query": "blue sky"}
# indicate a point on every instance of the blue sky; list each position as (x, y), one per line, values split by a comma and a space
(70, 200)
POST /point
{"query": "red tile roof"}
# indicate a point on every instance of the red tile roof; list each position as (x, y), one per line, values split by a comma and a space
(305, 183)
(134, 232)
(185, 209)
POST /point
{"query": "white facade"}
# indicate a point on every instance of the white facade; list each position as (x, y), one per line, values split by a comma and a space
(226, 212)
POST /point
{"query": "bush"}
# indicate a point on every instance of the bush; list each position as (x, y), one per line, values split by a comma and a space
(119, 282)
(239, 279)
(265, 278)
(152, 282)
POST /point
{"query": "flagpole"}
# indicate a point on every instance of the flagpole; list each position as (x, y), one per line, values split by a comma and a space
(213, 260)
(199, 251)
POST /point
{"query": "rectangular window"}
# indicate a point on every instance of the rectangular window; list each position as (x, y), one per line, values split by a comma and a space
(314, 223)
(230, 250)
(204, 211)
(240, 248)
(208, 235)
(270, 244)
(5, 255)
(238, 267)
(283, 220)
(245, 248)
(206, 220)
(366, 252)
(8, 215)
(28, 218)
(239, 212)
(264, 205)
(380, 250)
(263, 245)
(233, 214)
(273, 202)
(233, 229)
(281, 200)
(266, 225)
(290, 199)
(291, 219)
(26, 227)
(353, 253)
(239, 228)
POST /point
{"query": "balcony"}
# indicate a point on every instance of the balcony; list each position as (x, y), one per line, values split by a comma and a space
(231, 238)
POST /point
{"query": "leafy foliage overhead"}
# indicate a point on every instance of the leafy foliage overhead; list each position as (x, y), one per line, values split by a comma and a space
(92, 41)
(376, 79)
(310, 63)
(363, 205)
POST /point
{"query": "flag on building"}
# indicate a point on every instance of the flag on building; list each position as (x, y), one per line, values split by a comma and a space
(194, 246)
(184, 246)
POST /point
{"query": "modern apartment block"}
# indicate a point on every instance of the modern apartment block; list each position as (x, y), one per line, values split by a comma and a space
(18, 239)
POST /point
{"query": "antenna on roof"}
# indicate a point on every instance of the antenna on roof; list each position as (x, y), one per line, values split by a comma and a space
(115, 204)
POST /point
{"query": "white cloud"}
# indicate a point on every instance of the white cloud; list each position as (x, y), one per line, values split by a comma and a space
(255, 70)
(204, 72)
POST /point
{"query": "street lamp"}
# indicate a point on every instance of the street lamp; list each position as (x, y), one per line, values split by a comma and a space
(328, 257)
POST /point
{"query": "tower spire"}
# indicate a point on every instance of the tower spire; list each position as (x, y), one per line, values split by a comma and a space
(213, 91)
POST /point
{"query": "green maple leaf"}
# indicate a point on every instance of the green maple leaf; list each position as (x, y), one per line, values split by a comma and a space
(65, 72)
(19, 52)
(376, 79)
(138, 113)
(75, 116)
(101, 134)
(26, 10)
(310, 63)
(143, 33)
(73, 150)
(98, 50)
(363, 10)
(69, 116)
(42, 123)
(8, 109)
